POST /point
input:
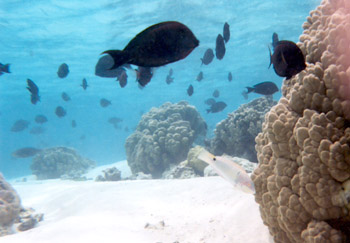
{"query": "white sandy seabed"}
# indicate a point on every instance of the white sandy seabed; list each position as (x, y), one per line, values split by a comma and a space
(199, 210)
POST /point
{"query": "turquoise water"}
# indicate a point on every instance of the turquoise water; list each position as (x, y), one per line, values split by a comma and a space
(37, 36)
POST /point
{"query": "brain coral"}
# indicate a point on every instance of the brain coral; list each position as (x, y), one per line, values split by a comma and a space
(10, 206)
(54, 162)
(163, 136)
(236, 134)
(303, 178)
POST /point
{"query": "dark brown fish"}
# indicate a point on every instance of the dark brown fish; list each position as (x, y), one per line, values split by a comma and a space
(217, 107)
(216, 93)
(200, 76)
(60, 111)
(229, 76)
(190, 90)
(144, 75)
(220, 48)
(226, 32)
(65, 96)
(104, 102)
(84, 84)
(287, 59)
(169, 79)
(264, 88)
(19, 125)
(25, 152)
(4, 68)
(208, 56)
(34, 91)
(63, 70)
(40, 119)
(156, 46)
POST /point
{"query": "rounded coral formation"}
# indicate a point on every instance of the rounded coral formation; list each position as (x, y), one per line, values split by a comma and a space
(10, 206)
(164, 136)
(236, 134)
(55, 162)
(302, 181)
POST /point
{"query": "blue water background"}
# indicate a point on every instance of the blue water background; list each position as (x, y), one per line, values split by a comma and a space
(37, 36)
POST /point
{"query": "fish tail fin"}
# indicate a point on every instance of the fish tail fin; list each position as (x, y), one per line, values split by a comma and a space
(249, 90)
(205, 156)
(7, 68)
(119, 57)
(270, 56)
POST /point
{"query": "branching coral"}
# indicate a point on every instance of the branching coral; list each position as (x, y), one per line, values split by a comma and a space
(303, 178)
(55, 162)
(236, 134)
(163, 137)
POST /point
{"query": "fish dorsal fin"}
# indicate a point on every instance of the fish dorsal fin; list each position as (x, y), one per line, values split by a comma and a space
(270, 55)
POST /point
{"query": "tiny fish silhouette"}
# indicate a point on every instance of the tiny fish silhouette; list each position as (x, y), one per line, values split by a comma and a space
(104, 102)
(217, 107)
(190, 90)
(122, 78)
(226, 32)
(63, 70)
(264, 88)
(25, 152)
(287, 59)
(34, 92)
(19, 125)
(84, 84)
(156, 46)
(40, 119)
(144, 75)
(220, 48)
(4, 68)
(229, 77)
(65, 96)
(208, 56)
(200, 76)
(216, 93)
(210, 101)
(60, 111)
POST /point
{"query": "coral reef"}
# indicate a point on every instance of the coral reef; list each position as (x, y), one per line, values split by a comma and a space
(10, 206)
(28, 219)
(236, 134)
(110, 174)
(180, 171)
(192, 160)
(163, 137)
(303, 178)
(55, 162)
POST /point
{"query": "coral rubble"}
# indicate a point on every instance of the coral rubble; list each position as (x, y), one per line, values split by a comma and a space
(59, 162)
(163, 137)
(302, 181)
(236, 134)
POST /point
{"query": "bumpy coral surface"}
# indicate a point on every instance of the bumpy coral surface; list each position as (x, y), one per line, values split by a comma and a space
(303, 179)
(10, 206)
(55, 162)
(163, 137)
(236, 134)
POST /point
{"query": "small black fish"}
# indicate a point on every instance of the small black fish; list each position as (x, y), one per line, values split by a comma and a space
(220, 48)
(63, 70)
(74, 123)
(169, 79)
(217, 107)
(65, 96)
(190, 90)
(226, 32)
(144, 75)
(122, 78)
(4, 68)
(156, 46)
(208, 56)
(200, 76)
(229, 76)
(104, 102)
(40, 119)
(274, 40)
(114, 120)
(287, 59)
(60, 111)
(84, 84)
(210, 101)
(19, 125)
(37, 130)
(264, 88)
(25, 152)
(34, 91)
(216, 93)
(170, 72)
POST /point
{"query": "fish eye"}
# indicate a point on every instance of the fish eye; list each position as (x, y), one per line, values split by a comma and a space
(214, 158)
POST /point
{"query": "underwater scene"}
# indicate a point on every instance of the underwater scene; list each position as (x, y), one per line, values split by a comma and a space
(175, 121)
